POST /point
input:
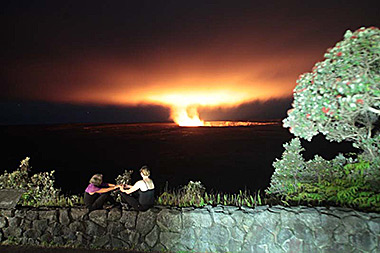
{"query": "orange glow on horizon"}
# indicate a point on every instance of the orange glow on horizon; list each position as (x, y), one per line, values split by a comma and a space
(184, 107)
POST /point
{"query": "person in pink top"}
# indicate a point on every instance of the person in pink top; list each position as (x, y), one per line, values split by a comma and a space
(98, 193)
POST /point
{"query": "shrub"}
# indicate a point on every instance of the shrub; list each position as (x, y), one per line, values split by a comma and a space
(194, 194)
(341, 181)
(39, 188)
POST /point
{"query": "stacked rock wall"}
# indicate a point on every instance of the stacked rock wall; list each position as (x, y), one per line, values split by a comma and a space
(211, 229)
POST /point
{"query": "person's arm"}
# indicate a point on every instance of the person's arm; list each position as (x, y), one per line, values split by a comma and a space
(134, 188)
(104, 190)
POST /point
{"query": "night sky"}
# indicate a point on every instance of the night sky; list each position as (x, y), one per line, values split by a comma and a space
(133, 61)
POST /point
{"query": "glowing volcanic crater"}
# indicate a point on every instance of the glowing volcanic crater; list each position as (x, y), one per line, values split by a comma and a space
(184, 107)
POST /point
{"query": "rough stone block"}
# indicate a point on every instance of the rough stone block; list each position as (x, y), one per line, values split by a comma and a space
(64, 217)
(114, 214)
(49, 215)
(188, 238)
(3, 222)
(225, 220)
(78, 213)
(152, 238)
(145, 221)
(169, 220)
(197, 218)
(354, 224)
(99, 217)
(128, 218)
(374, 226)
(364, 241)
(77, 226)
(40, 225)
(94, 229)
(9, 198)
(169, 239)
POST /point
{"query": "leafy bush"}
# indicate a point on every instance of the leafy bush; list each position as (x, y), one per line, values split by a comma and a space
(39, 188)
(340, 181)
(340, 98)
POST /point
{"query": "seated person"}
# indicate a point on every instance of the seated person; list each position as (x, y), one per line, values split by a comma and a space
(97, 193)
(145, 189)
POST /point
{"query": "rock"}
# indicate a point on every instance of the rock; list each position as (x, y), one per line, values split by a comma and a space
(283, 236)
(114, 214)
(78, 213)
(152, 237)
(46, 238)
(32, 215)
(353, 224)
(169, 220)
(338, 248)
(329, 222)
(216, 235)
(50, 215)
(64, 218)
(101, 241)
(31, 233)
(224, 220)
(188, 238)
(323, 238)
(40, 225)
(56, 229)
(77, 226)
(301, 231)
(364, 241)
(14, 232)
(145, 221)
(311, 218)
(130, 236)
(14, 221)
(9, 198)
(374, 226)
(26, 224)
(8, 213)
(116, 243)
(94, 229)
(3, 222)
(197, 218)
(99, 217)
(128, 218)
(293, 245)
(169, 239)
(114, 228)
(259, 235)
(237, 234)
(340, 235)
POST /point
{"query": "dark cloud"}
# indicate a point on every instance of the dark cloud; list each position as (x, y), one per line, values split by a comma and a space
(254, 110)
(35, 112)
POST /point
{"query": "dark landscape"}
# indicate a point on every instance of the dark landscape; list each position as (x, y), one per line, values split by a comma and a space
(225, 159)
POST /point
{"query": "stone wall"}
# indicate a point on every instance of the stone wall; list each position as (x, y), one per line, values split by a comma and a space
(211, 229)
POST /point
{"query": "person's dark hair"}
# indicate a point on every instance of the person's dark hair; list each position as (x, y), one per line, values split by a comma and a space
(96, 179)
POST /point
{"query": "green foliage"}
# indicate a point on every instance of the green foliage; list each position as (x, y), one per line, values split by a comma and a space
(39, 188)
(124, 178)
(341, 181)
(194, 194)
(340, 98)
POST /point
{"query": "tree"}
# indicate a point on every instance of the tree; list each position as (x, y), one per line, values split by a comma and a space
(340, 98)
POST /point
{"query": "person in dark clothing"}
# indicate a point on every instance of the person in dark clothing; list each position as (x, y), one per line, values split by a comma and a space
(98, 193)
(145, 190)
